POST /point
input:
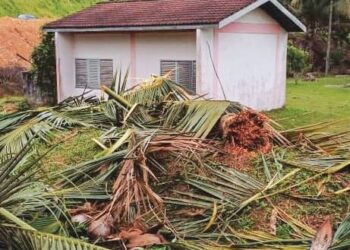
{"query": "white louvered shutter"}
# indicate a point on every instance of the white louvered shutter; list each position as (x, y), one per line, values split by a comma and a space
(106, 72)
(166, 67)
(93, 74)
(184, 73)
(81, 79)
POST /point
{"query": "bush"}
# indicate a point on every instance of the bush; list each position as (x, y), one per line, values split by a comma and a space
(13, 104)
(44, 65)
(297, 60)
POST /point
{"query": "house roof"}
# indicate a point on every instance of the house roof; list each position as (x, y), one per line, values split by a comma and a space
(164, 14)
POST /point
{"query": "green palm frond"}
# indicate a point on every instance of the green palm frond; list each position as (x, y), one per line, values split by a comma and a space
(156, 90)
(197, 117)
(15, 140)
(89, 171)
(15, 175)
(21, 128)
(341, 239)
(14, 219)
(24, 239)
(8, 121)
(119, 81)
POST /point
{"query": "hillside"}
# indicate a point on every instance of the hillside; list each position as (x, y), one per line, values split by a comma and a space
(18, 37)
(42, 8)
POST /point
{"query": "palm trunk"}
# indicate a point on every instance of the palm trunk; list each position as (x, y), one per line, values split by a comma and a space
(329, 42)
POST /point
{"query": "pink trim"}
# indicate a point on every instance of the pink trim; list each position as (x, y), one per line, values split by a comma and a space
(255, 28)
(133, 57)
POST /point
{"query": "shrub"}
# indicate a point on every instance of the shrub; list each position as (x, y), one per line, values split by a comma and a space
(297, 61)
(44, 65)
(13, 104)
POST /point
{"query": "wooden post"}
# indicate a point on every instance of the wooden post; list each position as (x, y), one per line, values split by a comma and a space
(329, 42)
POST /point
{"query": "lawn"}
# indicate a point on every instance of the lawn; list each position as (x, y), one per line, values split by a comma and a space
(326, 99)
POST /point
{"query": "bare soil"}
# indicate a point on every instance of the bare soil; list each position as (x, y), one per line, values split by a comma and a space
(18, 37)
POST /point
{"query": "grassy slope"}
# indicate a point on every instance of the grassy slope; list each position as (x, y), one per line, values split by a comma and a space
(42, 8)
(313, 102)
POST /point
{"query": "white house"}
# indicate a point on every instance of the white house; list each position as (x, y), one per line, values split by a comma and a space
(233, 49)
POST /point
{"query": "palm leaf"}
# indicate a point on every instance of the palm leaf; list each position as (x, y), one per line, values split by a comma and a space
(156, 90)
(23, 239)
(23, 127)
(119, 81)
(15, 140)
(341, 239)
(195, 117)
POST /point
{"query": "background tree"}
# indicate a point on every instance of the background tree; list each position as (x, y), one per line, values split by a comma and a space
(326, 29)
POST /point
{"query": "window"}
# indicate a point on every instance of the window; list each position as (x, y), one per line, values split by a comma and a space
(184, 72)
(92, 73)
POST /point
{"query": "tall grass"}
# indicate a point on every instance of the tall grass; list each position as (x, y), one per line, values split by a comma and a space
(42, 8)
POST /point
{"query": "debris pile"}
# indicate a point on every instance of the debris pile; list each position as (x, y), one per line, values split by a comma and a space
(246, 131)
(160, 176)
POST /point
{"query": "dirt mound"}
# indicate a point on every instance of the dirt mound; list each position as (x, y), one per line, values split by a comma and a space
(18, 37)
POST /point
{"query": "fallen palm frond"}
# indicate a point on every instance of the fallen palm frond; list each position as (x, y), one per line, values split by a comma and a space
(155, 91)
(163, 173)
(132, 189)
(18, 129)
(195, 117)
(19, 238)
(341, 239)
(317, 138)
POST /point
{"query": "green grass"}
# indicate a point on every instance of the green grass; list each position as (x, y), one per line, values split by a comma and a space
(42, 8)
(73, 147)
(312, 102)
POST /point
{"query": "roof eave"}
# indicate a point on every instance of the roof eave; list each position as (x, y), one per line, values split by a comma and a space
(131, 28)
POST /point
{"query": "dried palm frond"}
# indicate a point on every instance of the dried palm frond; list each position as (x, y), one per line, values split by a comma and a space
(319, 163)
(317, 138)
(132, 191)
(226, 188)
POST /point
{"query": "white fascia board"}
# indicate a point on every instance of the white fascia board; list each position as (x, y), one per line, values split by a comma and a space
(146, 28)
(256, 5)
(289, 15)
(241, 13)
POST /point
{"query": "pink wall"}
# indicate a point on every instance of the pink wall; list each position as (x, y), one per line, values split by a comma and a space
(140, 52)
(249, 56)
